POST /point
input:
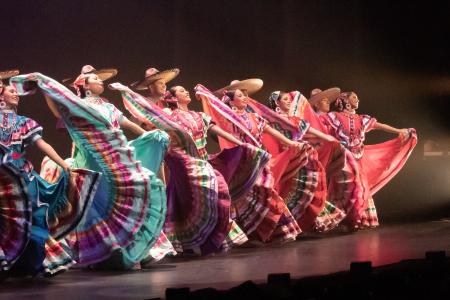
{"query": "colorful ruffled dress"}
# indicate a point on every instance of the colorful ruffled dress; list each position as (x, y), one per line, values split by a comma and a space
(262, 210)
(129, 208)
(355, 171)
(34, 214)
(198, 216)
(371, 166)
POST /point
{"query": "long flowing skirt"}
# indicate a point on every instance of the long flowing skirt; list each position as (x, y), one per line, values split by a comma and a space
(35, 213)
(352, 187)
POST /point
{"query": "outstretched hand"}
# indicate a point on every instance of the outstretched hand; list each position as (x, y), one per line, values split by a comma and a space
(118, 86)
(298, 146)
(403, 134)
(65, 167)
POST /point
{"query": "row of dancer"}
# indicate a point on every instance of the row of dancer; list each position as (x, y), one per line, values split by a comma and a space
(283, 170)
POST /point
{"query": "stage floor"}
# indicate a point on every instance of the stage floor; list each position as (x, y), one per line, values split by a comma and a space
(305, 257)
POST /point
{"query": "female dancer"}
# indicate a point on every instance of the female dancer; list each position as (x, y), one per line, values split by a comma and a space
(356, 171)
(129, 209)
(33, 213)
(373, 165)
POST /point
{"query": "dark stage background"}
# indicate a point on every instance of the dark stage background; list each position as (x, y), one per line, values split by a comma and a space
(394, 54)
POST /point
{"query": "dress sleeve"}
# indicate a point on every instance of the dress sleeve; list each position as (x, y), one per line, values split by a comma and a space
(118, 115)
(303, 127)
(207, 120)
(167, 111)
(368, 122)
(32, 131)
(330, 123)
(262, 122)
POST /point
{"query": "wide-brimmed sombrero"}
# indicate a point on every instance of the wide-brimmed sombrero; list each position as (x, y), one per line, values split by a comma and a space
(103, 74)
(152, 74)
(331, 94)
(7, 74)
(251, 86)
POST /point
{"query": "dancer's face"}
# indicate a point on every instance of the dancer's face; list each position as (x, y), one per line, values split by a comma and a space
(157, 88)
(353, 100)
(94, 84)
(239, 100)
(182, 95)
(10, 96)
(323, 105)
(284, 103)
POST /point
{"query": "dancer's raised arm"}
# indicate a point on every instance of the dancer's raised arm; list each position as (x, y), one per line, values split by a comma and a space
(48, 150)
(388, 128)
(222, 133)
(127, 124)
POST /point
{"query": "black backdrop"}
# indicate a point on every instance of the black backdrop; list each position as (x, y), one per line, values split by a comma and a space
(394, 54)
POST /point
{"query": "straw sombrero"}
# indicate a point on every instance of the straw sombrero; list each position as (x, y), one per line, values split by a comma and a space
(103, 74)
(7, 74)
(152, 74)
(250, 85)
(317, 95)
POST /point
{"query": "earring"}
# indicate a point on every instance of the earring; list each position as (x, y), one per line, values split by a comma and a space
(2, 104)
(88, 93)
(278, 109)
(234, 108)
(348, 106)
